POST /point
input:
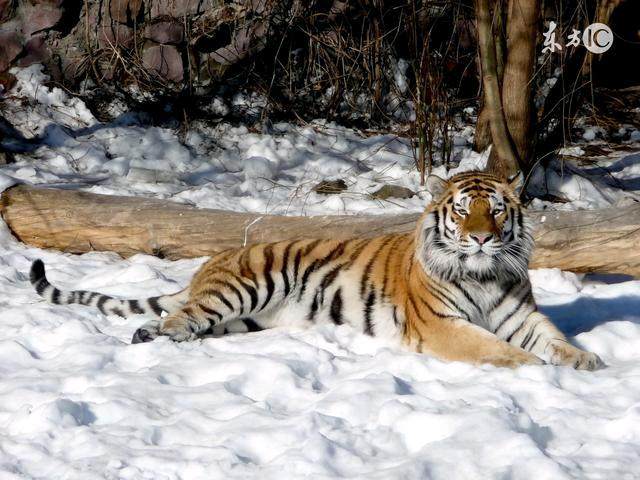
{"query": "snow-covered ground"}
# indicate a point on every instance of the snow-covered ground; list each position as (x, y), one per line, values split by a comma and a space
(78, 401)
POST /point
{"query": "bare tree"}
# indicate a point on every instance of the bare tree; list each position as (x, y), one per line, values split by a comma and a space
(504, 156)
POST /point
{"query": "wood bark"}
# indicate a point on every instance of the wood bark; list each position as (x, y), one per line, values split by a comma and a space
(517, 81)
(482, 136)
(606, 240)
(504, 158)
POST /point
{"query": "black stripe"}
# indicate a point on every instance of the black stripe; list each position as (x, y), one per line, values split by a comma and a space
(155, 306)
(396, 322)
(436, 214)
(336, 308)
(222, 298)
(527, 339)
(135, 307)
(285, 267)
(508, 339)
(314, 308)
(55, 296)
(520, 221)
(328, 279)
(534, 342)
(443, 297)
(233, 288)
(358, 250)
(413, 304)
(118, 312)
(368, 307)
(252, 326)
(466, 295)
(387, 261)
(208, 311)
(252, 293)
(512, 312)
(244, 265)
(268, 265)
(431, 309)
(477, 188)
(296, 266)
(41, 286)
(91, 297)
(318, 264)
(466, 183)
(450, 234)
(503, 296)
(364, 280)
(250, 275)
(524, 322)
(103, 299)
(309, 248)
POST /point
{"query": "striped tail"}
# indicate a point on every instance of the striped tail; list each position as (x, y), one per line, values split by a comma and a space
(106, 304)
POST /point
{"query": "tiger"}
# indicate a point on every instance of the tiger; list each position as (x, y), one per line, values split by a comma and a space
(456, 288)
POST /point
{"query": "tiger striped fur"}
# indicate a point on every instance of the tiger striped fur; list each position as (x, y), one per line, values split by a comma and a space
(456, 288)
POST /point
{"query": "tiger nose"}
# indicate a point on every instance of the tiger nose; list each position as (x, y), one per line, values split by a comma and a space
(481, 238)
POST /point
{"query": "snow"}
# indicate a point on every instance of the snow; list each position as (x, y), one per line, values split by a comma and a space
(221, 166)
(77, 400)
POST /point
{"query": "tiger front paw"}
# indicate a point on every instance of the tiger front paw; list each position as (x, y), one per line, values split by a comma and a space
(176, 331)
(147, 332)
(563, 353)
(180, 329)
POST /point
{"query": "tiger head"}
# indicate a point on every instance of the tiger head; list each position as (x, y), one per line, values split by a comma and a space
(474, 228)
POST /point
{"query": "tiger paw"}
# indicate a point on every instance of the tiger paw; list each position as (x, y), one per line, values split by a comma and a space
(146, 333)
(179, 334)
(563, 353)
(180, 329)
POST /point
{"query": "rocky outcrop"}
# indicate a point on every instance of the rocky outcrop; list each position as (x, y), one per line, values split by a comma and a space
(173, 44)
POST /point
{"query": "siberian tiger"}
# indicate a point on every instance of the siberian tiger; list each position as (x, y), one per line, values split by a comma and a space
(456, 288)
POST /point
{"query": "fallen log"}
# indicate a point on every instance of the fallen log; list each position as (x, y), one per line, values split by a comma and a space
(606, 240)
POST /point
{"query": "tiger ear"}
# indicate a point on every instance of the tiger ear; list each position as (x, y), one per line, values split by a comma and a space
(516, 183)
(436, 186)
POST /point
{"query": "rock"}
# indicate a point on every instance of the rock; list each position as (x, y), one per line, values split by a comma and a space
(125, 11)
(7, 81)
(114, 35)
(6, 10)
(210, 70)
(392, 191)
(178, 9)
(330, 187)
(165, 60)
(35, 51)
(246, 40)
(6, 158)
(35, 18)
(10, 46)
(165, 32)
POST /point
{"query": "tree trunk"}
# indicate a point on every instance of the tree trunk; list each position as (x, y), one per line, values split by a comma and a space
(78, 222)
(517, 82)
(482, 138)
(504, 158)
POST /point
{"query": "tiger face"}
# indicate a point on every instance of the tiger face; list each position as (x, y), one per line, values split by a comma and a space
(476, 228)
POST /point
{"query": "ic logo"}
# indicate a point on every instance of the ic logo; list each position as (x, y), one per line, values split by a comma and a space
(597, 38)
